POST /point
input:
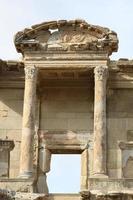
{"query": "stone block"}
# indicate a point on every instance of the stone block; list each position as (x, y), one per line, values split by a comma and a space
(3, 172)
(66, 115)
(90, 162)
(2, 133)
(80, 124)
(42, 184)
(11, 94)
(44, 159)
(129, 123)
(17, 185)
(15, 155)
(14, 172)
(54, 124)
(125, 103)
(130, 135)
(112, 159)
(53, 106)
(112, 173)
(11, 123)
(14, 134)
(65, 196)
(79, 106)
(66, 106)
(67, 94)
(116, 129)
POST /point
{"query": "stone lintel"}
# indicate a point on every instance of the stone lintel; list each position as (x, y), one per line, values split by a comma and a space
(60, 56)
(65, 141)
(70, 64)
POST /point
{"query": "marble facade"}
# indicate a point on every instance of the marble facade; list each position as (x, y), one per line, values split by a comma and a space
(67, 96)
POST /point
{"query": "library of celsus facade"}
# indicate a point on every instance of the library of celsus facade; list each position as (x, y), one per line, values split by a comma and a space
(66, 96)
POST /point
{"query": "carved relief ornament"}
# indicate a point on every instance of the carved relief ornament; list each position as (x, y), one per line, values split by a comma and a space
(66, 36)
(101, 73)
(30, 72)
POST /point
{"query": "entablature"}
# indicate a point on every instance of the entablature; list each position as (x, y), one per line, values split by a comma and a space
(55, 72)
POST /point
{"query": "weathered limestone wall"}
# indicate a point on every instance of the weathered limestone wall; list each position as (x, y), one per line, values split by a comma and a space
(67, 109)
(11, 107)
(119, 126)
(70, 109)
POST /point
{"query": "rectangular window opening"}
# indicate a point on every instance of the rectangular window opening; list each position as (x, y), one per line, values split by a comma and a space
(64, 176)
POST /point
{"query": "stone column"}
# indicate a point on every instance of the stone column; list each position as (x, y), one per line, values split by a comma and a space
(28, 126)
(99, 151)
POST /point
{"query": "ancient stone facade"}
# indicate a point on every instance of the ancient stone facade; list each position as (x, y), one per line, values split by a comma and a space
(66, 96)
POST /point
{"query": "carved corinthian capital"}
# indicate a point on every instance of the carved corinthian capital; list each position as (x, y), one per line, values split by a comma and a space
(101, 73)
(30, 72)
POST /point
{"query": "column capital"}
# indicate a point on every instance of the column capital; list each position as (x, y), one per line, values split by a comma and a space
(30, 72)
(101, 73)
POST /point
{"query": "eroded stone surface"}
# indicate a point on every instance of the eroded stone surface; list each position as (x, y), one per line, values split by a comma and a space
(68, 35)
(11, 195)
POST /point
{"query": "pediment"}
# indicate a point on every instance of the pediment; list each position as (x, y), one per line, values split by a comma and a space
(74, 35)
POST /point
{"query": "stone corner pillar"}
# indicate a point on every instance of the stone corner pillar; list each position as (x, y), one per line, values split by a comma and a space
(99, 143)
(43, 169)
(28, 122)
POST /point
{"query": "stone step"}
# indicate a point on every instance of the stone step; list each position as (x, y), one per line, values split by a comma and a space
(67, 196)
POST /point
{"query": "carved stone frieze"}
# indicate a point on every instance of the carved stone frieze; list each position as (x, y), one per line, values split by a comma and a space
(65, 35)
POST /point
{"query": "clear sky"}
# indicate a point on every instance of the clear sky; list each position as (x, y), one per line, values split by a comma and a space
(16, 15)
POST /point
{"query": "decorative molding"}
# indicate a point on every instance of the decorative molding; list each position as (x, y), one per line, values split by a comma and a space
(6, 145)
(125, 145)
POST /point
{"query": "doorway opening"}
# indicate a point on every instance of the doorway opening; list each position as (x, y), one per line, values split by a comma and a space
(64, 176)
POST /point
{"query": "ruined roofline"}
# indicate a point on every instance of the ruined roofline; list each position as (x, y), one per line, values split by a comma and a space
(121, 64)
(11, 66)
(82, 36)
(9, 63)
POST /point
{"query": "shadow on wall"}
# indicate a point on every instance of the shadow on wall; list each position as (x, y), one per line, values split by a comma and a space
(11, 108)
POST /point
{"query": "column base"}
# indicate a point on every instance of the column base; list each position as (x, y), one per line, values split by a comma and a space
(25, 175)
(99, 176)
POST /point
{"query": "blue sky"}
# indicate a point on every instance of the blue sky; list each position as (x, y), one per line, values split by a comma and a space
(64, 176)
(15, 15)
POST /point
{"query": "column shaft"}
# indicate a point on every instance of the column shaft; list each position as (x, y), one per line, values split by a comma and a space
(99, 156)
(28, 126)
